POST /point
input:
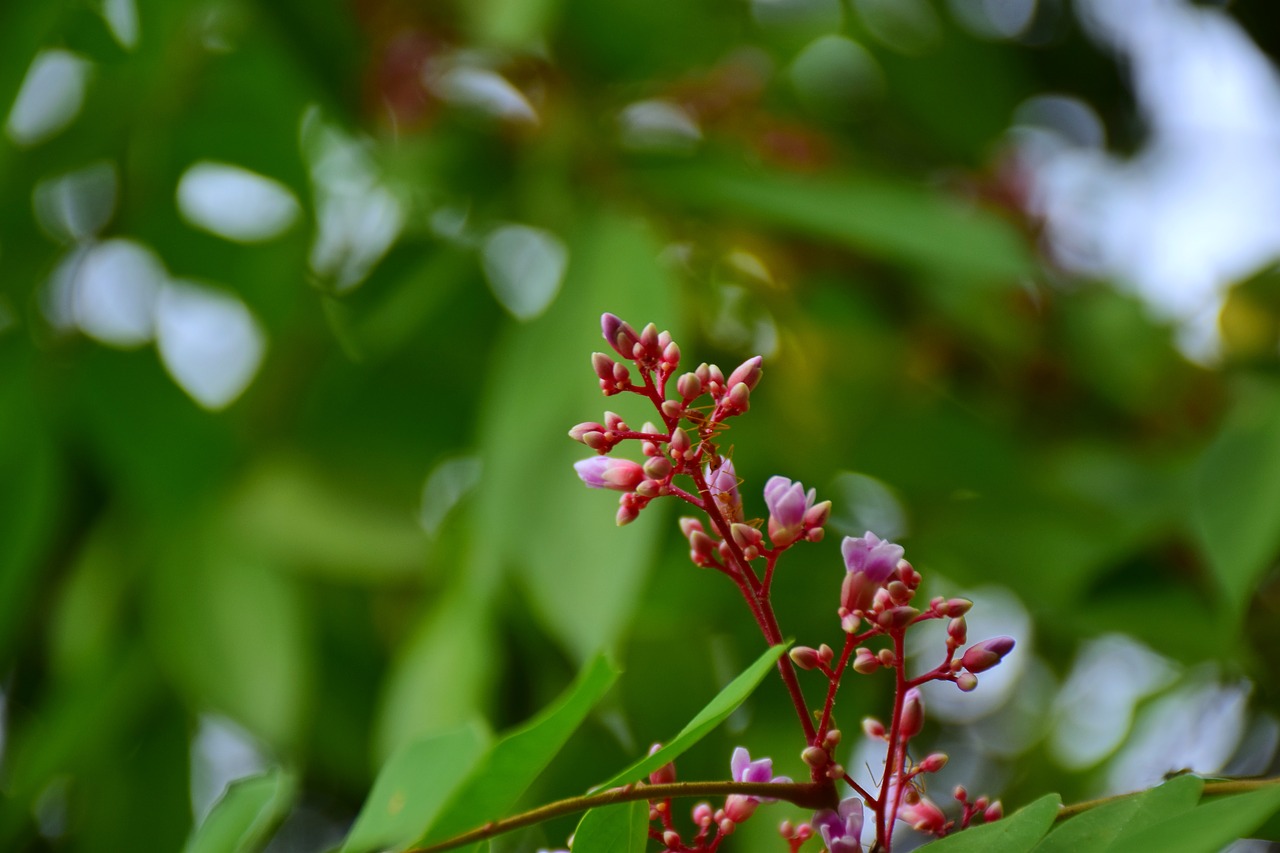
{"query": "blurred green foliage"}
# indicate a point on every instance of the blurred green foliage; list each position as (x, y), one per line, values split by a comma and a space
(373, 537)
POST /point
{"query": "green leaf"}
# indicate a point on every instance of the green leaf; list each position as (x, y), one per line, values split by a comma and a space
(1213, 824)
(245, 815)
(515, 761)
(1108, 827)
(413, 786)
(1236, 494)
(715, 712)
(1016, 833)
(885, 218)
(622, 828)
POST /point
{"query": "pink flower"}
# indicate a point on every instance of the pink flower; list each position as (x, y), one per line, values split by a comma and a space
(841, 829)
(723, 483)
(924, 816)
(872, 556)
(788, 504)
(739, 807)
(604, 472)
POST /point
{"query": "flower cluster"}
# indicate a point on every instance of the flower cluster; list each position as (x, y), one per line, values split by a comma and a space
(876, 599)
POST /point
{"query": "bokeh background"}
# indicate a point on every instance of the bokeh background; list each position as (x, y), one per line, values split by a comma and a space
(297, 301)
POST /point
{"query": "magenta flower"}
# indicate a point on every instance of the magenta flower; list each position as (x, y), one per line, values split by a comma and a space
(739, 807)
(604, 472)
(924, 816)
(788, 503)
(723, 482)
(841, 830)
(872, 556)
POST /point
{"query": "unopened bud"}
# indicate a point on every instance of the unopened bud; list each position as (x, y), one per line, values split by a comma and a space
(896, 618)
(831, 739)
(739, 398)
(619, 334)
(602, 365)
(899, 592)
(688, 524)
(886, 657)
(960, 793)
(671, 838)
(835, 771)
(865, 662)
(958, 606)
(825, 653)
(583, 428)
(701, 814)
(679, 443)
(907, 574)
(689, 386)
(673, 409)
(814, 756)
(597, 441)
(934, 762)
(817, 515)
(745, 535)
(912, 720)
(664, 775)
(621, 375)
(747, 373)
(613, 421)
(986, 654)
(714, 375)
(957, 630)
(873, 728)
(727, 826)
(670, 356)
(966, 681)
(786, 830)
(649, 488)
(649, 338)
(804, 657)
(995, 811)
(627, 513)
(701, 547)
(657, 467)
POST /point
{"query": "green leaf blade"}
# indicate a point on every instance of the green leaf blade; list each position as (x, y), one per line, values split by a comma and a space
(623, 828)
(413, 786)
(1108, 827)
(497, 782)
(1017, 833)
(715, 712)
(245, 815)
(1211, 825)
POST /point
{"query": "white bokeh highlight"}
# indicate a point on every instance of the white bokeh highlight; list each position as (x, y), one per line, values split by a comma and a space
(235, 203)
(524, 267)
(209, 342)
(50, 97)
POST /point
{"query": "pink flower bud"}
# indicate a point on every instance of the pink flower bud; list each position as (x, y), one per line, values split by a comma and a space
(899, 592)
(804, 657)
(924, 816)
(670, 355)
(873, 728)
(966, 681)
(865, 662)
(689, 386)
(825, 653)
(657, 467)
(602, 365)
(912, 720)
(986, 654)
(993, 812)
(739, 399)
(816, 516)
(737, 808)
(664, 775)
(701, 814)
(627, 513)
(814, 756)
(957, 630)
(597, 441)
(673, 409)
(745, 535)
(688, 524)
(747, 373)
(831, 740)
(603, 472)
(679, 443)
(886, 657)
(897, 618)
(619, 335)
(934, 762)
(583, 428)
(714, 375)
(649, 339)
(958, 606)
(613, 421)
(701, 548)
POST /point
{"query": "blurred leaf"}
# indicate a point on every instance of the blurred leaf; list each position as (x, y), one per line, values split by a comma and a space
(1109, 826)
(715, 713)
(623, 828)
(286, 510)
(519, 757)
(444, 671)
(244, 817)
(1237, 491)
(1016, 833)
(512, 23)
(889, 219)
(1217, 821)
(234, 633)
(413, 786)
